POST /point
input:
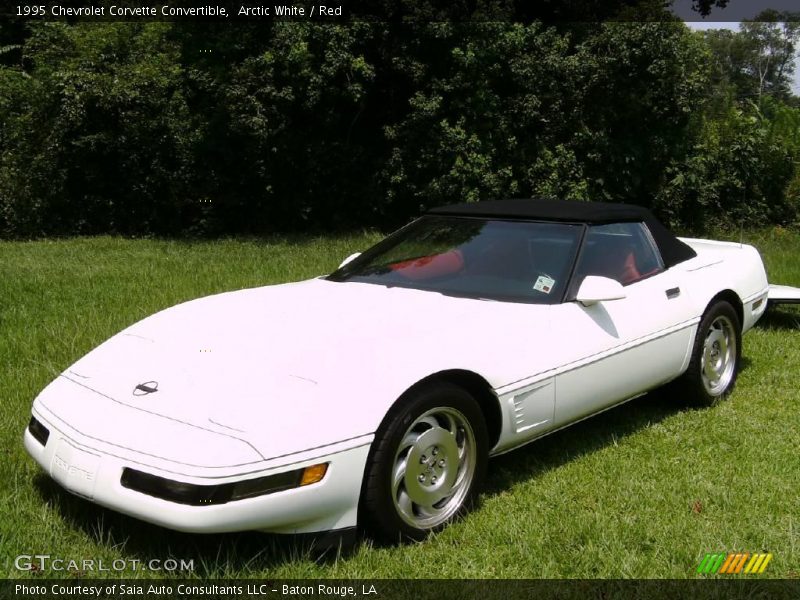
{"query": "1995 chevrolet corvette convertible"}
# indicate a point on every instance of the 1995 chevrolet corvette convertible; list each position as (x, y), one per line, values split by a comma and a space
(374, 396)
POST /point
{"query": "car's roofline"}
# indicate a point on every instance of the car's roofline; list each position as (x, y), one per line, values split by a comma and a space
(673, 250)
(548, 210)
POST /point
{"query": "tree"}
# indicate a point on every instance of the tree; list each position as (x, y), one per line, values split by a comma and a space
(772, 39)
(759, 59)
(197, 128)
(97, 136)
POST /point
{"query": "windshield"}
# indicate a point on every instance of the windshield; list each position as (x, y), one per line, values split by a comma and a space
(478, 258)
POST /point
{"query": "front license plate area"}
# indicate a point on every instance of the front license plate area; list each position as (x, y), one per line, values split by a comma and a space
(75, 469)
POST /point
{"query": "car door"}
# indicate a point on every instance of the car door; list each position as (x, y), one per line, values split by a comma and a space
(616, 349)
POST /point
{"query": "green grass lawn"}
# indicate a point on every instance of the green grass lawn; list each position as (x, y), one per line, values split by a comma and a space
(644, 490)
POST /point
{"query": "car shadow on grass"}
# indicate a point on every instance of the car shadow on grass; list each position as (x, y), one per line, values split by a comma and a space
(562, 447)
(212, 555)
(783, 318)
(588, 436)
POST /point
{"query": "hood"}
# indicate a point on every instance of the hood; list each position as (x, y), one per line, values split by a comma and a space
(288, 367)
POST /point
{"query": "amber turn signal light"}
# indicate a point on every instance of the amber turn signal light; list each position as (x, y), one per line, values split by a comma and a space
(313, 474)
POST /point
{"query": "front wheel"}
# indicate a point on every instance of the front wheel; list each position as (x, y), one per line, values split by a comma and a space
(714, 365)
(427, 463)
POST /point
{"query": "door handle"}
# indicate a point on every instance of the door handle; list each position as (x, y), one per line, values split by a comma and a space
(673, 293)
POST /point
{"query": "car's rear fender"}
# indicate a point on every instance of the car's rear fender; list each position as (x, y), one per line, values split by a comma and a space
(726, 271)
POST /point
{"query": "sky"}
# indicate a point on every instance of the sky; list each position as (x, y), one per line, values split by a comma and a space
(737, 10)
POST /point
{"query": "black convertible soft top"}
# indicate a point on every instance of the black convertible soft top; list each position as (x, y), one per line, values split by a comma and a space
(673, 251)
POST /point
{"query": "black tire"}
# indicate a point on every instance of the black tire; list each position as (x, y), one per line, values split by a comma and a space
(416, 440)
(720, 322)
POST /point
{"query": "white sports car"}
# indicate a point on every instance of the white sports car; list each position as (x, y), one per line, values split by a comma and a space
(375, 395)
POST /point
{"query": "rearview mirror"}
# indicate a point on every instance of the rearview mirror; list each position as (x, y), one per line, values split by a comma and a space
(352, 257)
(596, 289)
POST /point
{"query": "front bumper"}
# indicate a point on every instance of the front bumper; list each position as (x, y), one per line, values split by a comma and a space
(76, 463)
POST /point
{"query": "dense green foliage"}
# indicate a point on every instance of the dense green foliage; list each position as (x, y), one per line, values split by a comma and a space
(166, 128)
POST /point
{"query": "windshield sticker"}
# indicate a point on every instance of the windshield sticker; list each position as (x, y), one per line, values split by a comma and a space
(544, 284)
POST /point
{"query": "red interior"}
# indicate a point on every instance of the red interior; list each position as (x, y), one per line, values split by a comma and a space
(428, 267)
(629, 271)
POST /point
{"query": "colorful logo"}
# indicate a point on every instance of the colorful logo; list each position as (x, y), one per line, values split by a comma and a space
(734, 563)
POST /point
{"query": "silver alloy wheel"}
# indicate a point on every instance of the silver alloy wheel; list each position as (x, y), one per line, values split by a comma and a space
(718, 362)
(433, 468)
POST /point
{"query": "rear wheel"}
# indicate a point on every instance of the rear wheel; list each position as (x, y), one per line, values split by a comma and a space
(715, 358)
(426, 465)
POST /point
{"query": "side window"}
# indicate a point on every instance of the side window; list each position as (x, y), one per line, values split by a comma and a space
(622, 251)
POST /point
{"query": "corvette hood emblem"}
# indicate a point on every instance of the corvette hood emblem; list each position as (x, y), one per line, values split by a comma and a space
(148, 387)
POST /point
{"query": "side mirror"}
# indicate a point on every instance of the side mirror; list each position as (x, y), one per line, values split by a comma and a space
(350, 258)
(596, 289)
